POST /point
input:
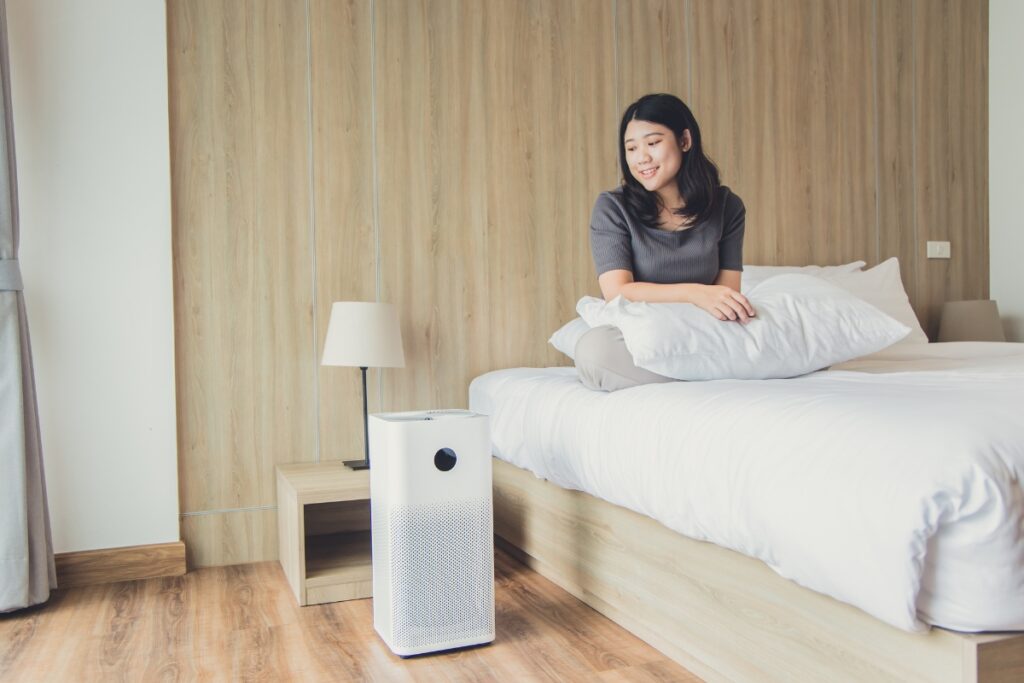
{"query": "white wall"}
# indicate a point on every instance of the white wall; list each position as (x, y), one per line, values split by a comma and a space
(1006, 172)
(89, 89)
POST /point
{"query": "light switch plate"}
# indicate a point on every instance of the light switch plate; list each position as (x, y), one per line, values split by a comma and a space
(938, 249)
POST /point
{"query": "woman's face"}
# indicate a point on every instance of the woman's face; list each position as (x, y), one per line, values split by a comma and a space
(654, 154)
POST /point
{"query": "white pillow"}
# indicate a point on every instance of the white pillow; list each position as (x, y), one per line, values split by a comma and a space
(882, 287)
(803, 324)
(755, 275)
(567, 335)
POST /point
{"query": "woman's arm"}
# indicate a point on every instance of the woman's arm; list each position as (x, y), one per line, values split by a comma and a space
(616, 282)
(720, 300)
(729, 278)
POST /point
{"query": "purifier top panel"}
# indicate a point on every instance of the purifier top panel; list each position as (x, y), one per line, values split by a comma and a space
(426, 415)
(434, 456)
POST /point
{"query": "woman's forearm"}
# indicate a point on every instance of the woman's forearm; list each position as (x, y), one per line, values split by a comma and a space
(650, 292)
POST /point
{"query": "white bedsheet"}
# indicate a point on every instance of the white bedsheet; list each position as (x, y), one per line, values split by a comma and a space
(893, 482)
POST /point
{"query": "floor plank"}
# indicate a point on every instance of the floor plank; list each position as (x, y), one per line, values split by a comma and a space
(241, 623)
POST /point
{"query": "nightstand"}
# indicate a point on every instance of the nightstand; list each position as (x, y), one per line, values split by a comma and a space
(323, 527)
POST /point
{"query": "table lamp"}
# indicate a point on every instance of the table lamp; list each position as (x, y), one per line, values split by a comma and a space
(363, 335)
(970, 321)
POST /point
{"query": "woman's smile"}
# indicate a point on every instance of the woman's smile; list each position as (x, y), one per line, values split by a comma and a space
(648, 172)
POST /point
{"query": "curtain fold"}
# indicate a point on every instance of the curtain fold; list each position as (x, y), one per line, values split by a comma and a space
(26, 551)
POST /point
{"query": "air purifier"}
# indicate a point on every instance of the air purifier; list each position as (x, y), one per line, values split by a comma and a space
(432, 528)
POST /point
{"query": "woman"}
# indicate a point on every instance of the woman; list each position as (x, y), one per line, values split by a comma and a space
(670, 233)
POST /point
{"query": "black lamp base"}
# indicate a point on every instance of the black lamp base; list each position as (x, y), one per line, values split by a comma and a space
(363, 464)
(357, 464)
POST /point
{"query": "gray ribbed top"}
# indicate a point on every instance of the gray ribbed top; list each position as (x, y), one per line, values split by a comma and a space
(695, 254)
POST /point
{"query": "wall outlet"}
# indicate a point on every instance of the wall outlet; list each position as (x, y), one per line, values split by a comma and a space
(938, 250)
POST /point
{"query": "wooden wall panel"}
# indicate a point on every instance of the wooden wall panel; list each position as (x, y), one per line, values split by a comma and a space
(652, 44)
(518, 108)
(591, 101)
(951, 73)
(494, 129)
(433, 191)
(851, 128)
(243, 295)
(894, 69)
(342, 154)
(551, 142)
(786, 108)
(235, 537)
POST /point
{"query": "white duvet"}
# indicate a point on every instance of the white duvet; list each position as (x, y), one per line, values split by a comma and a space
(892, 483)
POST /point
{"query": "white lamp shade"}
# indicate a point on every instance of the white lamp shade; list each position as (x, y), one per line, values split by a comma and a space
(363, 334)
(971, 321)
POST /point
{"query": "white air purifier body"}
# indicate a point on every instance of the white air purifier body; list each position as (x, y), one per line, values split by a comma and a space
(432, 519)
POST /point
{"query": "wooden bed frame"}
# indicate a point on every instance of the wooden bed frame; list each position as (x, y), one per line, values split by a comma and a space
(720, 614)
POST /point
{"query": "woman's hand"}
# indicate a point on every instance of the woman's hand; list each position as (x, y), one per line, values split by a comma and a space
(725, 303)
(722, 301)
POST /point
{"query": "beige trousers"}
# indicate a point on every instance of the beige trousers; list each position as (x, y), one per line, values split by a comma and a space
(604, 362)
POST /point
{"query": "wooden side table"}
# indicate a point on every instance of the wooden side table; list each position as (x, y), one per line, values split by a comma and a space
(323, 527)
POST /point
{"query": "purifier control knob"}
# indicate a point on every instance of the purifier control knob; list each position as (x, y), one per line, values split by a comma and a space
(444, 459)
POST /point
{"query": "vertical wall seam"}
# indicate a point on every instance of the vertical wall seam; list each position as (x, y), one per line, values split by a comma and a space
(376, 179)
(913, 144)
(688, 14)
(878, 123)
(312, 230)
(615, 66)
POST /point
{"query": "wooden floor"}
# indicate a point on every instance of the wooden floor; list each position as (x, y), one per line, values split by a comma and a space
(242, 623)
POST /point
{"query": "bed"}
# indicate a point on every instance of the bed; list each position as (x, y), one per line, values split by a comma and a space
(853, 523)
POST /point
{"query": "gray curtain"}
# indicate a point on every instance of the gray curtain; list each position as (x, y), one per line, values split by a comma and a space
(26, 551)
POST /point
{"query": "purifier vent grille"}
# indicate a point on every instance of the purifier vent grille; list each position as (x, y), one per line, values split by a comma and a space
(443, 573)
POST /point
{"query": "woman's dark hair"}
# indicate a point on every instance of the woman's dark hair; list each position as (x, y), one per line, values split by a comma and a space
(698, 176)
